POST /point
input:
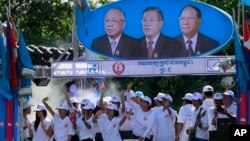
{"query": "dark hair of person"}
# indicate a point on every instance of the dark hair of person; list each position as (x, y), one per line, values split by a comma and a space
(198, 11)
(159, 13)
(208, 94)
(188, 101)
(116, 113)
(37, 121)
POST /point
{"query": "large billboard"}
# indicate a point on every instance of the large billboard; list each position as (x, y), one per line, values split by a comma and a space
(154, 29)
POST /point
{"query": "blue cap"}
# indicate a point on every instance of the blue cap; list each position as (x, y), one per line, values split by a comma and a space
(139, 93)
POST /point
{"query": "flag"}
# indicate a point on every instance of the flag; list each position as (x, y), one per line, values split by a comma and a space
(11, 70)
(245, 2)
(243, 78)
(4, 85)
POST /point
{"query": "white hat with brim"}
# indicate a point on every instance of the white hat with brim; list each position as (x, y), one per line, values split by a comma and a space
(85, 101)
(217, 96)
(229, 92)
(40, 107)
(159, 96)
(74, 100)
(89, 106)
(112, 106)
(188, 96)
(115, 99)
(208, 88)
(168, 97)
(63, 107)
(197, 96)
(26, 105)
(147, 99)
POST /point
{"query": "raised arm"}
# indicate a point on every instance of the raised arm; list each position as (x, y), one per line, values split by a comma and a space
(47, 106)
(67, 96)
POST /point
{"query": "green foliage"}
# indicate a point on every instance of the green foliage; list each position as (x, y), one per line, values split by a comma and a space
(44, 22)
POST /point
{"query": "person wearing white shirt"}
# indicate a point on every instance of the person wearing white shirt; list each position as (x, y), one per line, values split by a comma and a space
(208, 101)
(63, 128)
(229, 105)
(198, 130)
(165, 118)
(213, 112)
(109, 123)
(42, 126)
(84, 123)
(184, 118)
(26, 121)
(144, 117)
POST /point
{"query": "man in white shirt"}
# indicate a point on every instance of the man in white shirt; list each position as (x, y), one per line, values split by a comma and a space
(184, 118)
(208, 101)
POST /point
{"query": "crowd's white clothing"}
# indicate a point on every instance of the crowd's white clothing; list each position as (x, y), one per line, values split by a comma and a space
(232, 110)
(201, 133)
(84, 132)
(26, 122)
(62, 128)
(162, 121)
(144, 121)
(39, 134)
(185, 116)
(128, 124)
(208, 103)
(109, 129)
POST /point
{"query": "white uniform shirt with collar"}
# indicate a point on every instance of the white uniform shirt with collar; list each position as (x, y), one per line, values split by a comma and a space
(84, 132)
(128, 124)
(39, 134)
(208, 103)
(62, 128)
(154, 41)
(162, 121)
(211, 116)
(232, 110)
(194, 41)
(109, 129)
(144, 121)
(201, 133)
(185, 116)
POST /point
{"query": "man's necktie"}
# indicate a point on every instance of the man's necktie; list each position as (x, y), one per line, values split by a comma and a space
(113, 47)
(190, 51)
(150, 49)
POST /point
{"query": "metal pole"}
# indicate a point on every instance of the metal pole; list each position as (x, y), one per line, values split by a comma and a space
(75, 43)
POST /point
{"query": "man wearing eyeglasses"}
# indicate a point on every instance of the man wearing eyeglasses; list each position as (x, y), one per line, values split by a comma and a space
(115, 43)
(155, 45)
(193, 42)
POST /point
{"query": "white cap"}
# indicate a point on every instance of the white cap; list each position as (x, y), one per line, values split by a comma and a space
(208, 88)
(26, 105)
(217, 96)
(115, 99)
(188, 96)
(139, 93)
(159, 96)
(89, 106)
(40, 107)
(63, 106)
(85, 101)
(147, 99)
(74, 100)
(197, 96)
(168, 97)
(112, 106)
(229, 92)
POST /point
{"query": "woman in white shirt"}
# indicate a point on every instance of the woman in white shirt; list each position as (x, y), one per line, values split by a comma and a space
(84, 123)
(164, 120)
(109, 123)
(63, 128)
(41, 128)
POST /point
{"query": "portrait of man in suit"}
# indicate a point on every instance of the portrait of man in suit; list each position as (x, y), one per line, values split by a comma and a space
(155, 45)
(115, 43)
(193, 42)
